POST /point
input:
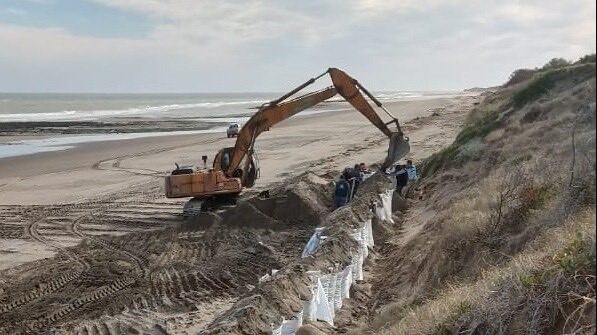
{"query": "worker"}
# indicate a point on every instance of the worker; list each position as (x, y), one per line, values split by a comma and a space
(355, 178)
(226, 160)
(364, 169)
(411, 170)
(365, 172)
(347, 173)
(401, 177)
(342, 192)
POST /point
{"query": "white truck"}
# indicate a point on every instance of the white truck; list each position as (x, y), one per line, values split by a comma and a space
(233, 130)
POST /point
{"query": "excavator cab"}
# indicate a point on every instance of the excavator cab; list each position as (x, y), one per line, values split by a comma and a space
(222, 162)
(222, 159)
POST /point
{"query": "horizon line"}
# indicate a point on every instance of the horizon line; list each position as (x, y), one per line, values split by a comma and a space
(224, 92)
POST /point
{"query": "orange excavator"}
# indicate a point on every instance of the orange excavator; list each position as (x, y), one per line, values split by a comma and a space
(235, 168)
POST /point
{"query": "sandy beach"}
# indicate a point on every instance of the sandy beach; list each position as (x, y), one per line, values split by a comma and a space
(314, 142)
(51, 202)
(131, 171)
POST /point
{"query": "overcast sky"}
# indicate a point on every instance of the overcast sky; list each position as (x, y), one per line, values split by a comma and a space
(223, 45)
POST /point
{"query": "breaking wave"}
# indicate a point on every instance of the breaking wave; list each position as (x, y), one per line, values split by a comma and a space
(87, 115)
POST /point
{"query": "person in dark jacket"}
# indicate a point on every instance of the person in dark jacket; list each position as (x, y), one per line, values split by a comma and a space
(342, 192)
(347, 173)
(356, 178)
(401, 177)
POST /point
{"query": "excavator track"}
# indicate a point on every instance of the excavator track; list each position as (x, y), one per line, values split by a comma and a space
(195, 206)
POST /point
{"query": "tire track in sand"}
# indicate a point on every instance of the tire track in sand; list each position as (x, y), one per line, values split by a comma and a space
(54, 285)
(116, 161)
(102, 292)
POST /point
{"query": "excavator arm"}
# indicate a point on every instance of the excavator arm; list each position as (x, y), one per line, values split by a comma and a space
(268, 116)
(347, 88)
(278, 110)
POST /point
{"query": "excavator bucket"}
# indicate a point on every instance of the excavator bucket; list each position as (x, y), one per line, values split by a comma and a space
(399, 147)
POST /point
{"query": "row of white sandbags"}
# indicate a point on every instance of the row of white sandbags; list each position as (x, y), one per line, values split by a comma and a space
(328, 290)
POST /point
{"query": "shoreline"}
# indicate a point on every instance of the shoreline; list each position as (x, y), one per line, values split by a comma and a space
(35, 145)
(52, 137)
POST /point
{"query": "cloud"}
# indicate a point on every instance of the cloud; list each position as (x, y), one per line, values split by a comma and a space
(199, 45)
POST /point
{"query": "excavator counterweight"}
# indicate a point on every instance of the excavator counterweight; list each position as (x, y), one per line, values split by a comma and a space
(235, 168)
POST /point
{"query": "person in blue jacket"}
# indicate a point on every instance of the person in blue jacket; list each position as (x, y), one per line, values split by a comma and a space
(411, 170)
(342, 192)
(401, 177)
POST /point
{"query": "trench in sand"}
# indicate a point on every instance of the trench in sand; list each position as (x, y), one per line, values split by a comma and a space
(191, 276)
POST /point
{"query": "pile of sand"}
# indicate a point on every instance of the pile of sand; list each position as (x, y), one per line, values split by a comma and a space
(284, 294)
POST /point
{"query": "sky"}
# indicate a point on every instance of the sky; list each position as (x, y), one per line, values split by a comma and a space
(119, 46)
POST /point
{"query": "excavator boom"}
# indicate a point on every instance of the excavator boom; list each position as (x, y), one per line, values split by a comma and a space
(277, 110)
(347, 88)
(268, 116)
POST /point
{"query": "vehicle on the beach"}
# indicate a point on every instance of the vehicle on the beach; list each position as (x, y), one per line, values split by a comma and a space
(233, 130)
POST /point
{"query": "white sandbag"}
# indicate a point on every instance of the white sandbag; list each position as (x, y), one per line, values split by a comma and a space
(327, 285)
(346, 282)
(369, 228)
(328, 291)
(290, 327)
(383, 210)
(323, 307)
(313, 242)
(278, 331)
(361, 237)
(357, 234)
(357, 266)
(379, 212)
(310, 306)
(364, 239)
(338, 291)
(299, 317)
(387, 204)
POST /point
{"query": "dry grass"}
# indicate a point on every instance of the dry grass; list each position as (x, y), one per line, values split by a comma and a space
(513, 203)
(493, 296)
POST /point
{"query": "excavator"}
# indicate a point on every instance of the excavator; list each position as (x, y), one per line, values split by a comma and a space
(236, 168)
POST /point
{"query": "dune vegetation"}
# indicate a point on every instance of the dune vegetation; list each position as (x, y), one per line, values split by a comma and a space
(503, 241)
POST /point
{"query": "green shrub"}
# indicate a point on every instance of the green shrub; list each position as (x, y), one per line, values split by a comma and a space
(519, 76)
(529, 280)
(438, 160)
(477, 127)
(536, 88)
(576, 257)
(545, 80)
(555, 63)
(488, 117)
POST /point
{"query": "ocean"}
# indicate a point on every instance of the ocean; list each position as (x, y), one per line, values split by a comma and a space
(57, 121)
(38, 107)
